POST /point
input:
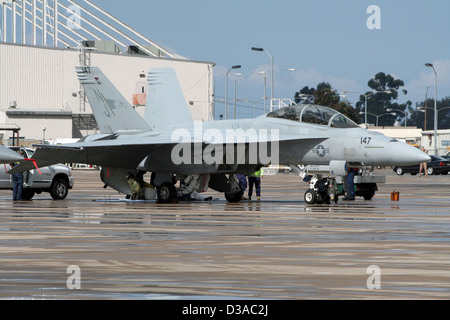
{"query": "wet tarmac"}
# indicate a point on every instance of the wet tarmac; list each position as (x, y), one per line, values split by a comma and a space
(278, 248)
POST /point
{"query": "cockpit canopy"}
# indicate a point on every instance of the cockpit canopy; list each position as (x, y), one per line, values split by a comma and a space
(310, 113)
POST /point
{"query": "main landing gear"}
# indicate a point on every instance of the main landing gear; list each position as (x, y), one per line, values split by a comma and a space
(235, 192)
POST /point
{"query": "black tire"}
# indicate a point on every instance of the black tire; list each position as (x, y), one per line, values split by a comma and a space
(310, 196)
(336, 199)
(368, 195)
(28, 194)
(59, 189)
(234, 198)
(166, 193)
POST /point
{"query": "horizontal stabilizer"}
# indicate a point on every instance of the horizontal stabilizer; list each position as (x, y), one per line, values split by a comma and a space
(111, 110)
(166, 104)
(8, 156)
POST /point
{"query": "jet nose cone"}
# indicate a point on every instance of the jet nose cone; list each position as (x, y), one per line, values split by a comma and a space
(406, 155)
(424, 157)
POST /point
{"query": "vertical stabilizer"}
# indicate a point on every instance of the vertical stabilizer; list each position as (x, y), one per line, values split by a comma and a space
(166, 104)
(111, 110)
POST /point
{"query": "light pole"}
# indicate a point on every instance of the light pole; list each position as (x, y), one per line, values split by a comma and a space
(426, 104)
(272, 61)
(429, 65)
(226, 90)
(395, 110)
(235, 80)
(271, 103)
(265, 89)
(240, 76)
(393, 114)
(366, 96)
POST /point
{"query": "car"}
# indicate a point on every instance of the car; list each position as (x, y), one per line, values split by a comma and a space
(437, 165)
(56, 179)
(447, 156)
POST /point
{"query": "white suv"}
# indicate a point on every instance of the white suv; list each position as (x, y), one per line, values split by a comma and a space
(56, 179)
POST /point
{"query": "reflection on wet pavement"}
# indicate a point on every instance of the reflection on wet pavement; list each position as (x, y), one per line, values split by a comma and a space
(278, 248)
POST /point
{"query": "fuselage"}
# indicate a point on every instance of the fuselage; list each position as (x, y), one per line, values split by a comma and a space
(297, 135)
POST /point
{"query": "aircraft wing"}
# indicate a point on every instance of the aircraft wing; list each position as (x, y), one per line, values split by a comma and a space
(126, 154)
(101, 154)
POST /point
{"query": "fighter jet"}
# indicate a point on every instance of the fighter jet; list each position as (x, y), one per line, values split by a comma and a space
(186, 156)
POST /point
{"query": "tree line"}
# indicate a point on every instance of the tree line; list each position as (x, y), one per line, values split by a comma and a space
(383, 108)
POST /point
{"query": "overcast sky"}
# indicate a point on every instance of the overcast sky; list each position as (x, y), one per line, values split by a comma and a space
(324, 40)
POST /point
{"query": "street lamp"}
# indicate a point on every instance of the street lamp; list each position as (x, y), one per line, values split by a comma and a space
(429, 65)
(226, 90)
(393, 114)
(237, 75)
(263, 73)
(366, 96)
(272, 61)
(272, 104)
(395, 110)
(426, 104)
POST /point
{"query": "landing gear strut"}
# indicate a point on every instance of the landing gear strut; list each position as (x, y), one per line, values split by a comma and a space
(322, 191)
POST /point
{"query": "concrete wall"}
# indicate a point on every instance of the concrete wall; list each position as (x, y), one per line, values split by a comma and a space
(32, 126)
(39, 78)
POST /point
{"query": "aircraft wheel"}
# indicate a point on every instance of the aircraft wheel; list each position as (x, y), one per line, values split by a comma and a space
(28, 194)
(166, 193)
(310, 196)
(234, 198)
(368, 195)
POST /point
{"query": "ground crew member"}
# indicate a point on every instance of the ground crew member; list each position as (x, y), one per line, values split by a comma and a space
(254, 179)
(424, 165)
(243, 183)
(137, 192)
(17, 181)
(350, 183)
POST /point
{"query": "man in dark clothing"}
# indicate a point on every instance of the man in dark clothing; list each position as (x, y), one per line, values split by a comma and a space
(254, 179)
(350, 183)
(17, 182)
(243, 183)
(17, 186)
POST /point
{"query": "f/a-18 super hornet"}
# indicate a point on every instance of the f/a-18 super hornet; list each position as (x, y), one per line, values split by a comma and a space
(186, 156)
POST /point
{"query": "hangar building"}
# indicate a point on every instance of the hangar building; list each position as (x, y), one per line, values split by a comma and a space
(40, 96)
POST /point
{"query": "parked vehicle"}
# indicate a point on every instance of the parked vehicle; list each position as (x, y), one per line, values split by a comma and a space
(437, 165)
(56, 179)
(447, 156)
